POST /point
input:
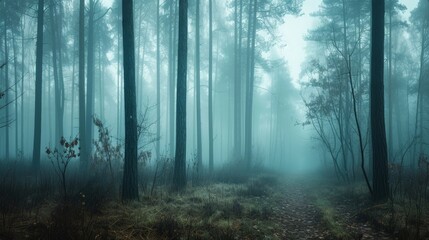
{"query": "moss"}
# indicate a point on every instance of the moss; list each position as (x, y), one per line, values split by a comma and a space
(330, 220)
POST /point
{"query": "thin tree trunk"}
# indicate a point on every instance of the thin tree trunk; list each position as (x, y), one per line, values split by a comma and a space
(210, 85)
(49, 105)
(171, 77)
(15, 68)
(57, 93)
(73, 91)
(198, 88)
(90, 80)
(158, 84)
(58, 38)
(100, 80)
(38, 98)
(237, 85)
(118, 80)
(390, 145)
(22, 86)
(82, 129)
(419, 96)
(6, 79)
(249, 94)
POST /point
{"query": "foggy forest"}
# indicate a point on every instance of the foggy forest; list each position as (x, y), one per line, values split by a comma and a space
(214, 119)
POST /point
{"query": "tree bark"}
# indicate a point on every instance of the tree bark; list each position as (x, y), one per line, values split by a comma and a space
(171, 77)
(38, 99)
(58, 92)
(22, 86)
(237, 85)
(198, 87)
(390, 145)
(158, 83)
(211, 85)
(6, 79)
(130, 177)
(250, 81)
(179, 178)
(82, 129)
(378, 131)
(15, 68)
(90, 80)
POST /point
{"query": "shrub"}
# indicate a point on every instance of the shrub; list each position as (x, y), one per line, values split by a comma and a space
(60, 159)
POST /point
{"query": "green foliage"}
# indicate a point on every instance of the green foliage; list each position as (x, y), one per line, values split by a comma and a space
(330, 219)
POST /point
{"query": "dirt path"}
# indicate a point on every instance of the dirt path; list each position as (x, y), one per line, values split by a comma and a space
(301, 219)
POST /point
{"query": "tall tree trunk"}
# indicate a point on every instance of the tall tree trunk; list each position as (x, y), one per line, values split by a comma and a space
(211, 85)
(139, 20)
(58, 38)
(347, 110)
(22, 86)
(15, 69)
(237, 84)
(38, 94)
(419, 97)
(130, 177)
(198, 87)
(58, 114)
(73, 91)
(118, 80)
(250, 81)
(179, 177)
(171, 78)
(101, 78)
(90, 80)
(82, 129)
(378, 131)
(49, 104)
(390, 145)
(6, 79)
(158, 84)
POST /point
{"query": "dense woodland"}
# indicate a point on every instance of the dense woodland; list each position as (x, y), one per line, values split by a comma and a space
(179, 119)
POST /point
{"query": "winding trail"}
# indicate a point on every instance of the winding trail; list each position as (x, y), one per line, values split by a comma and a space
(301, 219)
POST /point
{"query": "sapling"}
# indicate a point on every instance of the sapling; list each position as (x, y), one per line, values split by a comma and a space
(60, 159)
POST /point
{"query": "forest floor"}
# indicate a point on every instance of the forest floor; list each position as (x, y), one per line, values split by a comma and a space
(317, 209)
(264, 207)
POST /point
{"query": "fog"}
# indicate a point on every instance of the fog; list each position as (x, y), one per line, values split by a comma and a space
(146, 99)
(108, 92)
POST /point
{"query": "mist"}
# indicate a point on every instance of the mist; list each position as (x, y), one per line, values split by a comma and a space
(235, 119)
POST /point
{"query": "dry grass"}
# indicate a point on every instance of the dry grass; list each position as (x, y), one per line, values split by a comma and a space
(213, 211)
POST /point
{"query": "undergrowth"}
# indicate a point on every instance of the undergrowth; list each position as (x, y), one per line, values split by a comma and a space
(35, 208)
